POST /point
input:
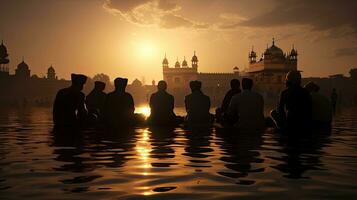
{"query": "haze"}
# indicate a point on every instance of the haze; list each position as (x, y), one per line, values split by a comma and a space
(130, 38)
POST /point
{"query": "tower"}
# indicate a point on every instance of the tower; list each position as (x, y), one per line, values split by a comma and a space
(252, 56)
(4, 59)
(293, 54)
(194, 60)
(51, 73)
(165, 62)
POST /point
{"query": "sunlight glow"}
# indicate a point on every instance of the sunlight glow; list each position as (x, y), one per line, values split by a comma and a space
(145, 110)
(146, 49)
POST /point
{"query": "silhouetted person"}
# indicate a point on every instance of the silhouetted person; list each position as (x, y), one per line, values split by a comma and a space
(119, 105)
(69, 108)
(95, 99)
(162, 106)
(334, 97)
(197, 105)
(235, 89)
(321, 113)
(248, 107)
(294, 106)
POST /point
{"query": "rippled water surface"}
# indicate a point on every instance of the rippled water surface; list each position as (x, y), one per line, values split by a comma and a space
(162, 163)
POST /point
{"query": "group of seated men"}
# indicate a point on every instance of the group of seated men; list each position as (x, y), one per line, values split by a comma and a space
(298, 107)
(72, 108)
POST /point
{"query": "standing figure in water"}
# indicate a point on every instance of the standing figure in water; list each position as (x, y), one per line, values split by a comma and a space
(294, 107)
(69, 108)
(95, 100)
(119, 105)
(162, 106)
(321, 113)
(235, 89)
(248, 107)
(197, 106)
(334, 97)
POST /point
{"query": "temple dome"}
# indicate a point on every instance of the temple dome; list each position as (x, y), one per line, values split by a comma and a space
(51, 69)
(22, 66)
(177, 64)
(274, 51)
(184, 63)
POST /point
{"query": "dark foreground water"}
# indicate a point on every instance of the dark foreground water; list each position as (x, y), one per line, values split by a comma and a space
(161, 163)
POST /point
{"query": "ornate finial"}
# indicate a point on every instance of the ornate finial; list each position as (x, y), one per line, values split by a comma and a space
(23, 59)
(184, 57)
(194, 53)
(293, 46)
(273, 41)
(165, 54)
(252, 47)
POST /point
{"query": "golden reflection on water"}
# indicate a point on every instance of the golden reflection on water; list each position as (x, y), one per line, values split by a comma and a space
(144, 109)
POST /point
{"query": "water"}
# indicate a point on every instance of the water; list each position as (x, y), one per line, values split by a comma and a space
(173, 164)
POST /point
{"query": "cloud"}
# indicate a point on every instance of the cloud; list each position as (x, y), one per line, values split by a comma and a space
(342, 52)
(320, 15)
(162, 13)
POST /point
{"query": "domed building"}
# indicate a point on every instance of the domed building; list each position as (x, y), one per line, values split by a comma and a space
(178, 77)
(269, 72)
(22, 70)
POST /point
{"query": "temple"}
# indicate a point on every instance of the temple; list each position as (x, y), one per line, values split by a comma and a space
(178, 77)
(269, 71)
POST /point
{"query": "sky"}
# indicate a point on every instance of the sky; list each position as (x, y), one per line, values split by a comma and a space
(129, 38)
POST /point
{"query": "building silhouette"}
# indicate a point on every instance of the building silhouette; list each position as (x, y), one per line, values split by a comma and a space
(270, 70)
(214, 84)
(21, 87)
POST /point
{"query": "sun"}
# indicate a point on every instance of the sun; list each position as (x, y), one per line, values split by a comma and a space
(146, 49)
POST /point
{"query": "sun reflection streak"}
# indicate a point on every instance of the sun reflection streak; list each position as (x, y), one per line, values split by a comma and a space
(143, 149)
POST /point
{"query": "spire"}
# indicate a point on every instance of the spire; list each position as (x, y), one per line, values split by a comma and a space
(23, 59)
(194, 52)
(2, 42)
(273, 41)
(252, 47)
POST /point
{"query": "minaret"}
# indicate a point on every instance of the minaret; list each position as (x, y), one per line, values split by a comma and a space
(165, 62)
(4, 60)
(293, 54)
(194, 61)
(252, 56)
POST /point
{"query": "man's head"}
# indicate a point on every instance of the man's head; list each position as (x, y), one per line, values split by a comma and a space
(161, 86)
(247, 83)
(235, 84)
(78, 80)
(120, 84)
(99, 85)
(293, 78)
(312, 87)
(195, 86)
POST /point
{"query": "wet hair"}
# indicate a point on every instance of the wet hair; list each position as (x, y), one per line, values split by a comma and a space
(247, 83)
(195, 85)
(162, 85)
(235, 84)
(120, 83)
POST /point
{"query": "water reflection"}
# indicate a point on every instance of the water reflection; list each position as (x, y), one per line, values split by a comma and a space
(301, 154)
(171, 163)
(241, 154)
